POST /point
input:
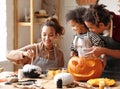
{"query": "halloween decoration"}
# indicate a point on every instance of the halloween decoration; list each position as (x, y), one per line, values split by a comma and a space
(59, 83)
(85, 68)
(96, 81)
(66, 78)
(52, 72)
(31, 71)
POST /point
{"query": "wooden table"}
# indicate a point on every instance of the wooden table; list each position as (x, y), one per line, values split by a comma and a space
(49, 84)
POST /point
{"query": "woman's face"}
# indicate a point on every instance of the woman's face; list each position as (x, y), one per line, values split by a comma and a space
(48, 36)
(94, 28)
(77, 27)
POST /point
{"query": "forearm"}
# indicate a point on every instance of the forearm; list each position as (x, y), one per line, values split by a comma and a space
(15, 54)
(111, 52)
(17, 57)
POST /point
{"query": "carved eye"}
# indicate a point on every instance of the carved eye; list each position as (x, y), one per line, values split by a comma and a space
(91, 63)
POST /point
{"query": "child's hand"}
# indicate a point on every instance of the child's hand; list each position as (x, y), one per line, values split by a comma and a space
(72, 53)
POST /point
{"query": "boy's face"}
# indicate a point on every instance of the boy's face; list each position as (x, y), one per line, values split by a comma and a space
(77, 27)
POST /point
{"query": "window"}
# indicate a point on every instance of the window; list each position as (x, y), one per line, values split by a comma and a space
(3, 30)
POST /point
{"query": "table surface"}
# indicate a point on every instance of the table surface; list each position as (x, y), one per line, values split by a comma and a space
(46, 83)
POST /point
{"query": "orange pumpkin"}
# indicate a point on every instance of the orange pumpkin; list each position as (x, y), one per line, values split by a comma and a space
(85, 68)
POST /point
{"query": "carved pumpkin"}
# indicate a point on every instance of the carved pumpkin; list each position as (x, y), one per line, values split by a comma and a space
(85, 68)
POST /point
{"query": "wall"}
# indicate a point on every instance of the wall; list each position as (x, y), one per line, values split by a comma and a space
(3, 30)
(7, 33)
(66, 5)
(113, 7)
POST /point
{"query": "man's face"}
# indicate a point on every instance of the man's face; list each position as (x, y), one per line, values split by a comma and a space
(94, 28)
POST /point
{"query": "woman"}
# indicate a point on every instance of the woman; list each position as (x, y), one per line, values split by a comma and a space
(43, 54)
(107, 24)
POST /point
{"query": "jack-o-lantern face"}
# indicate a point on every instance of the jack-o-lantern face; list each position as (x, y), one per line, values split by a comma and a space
(84, 68)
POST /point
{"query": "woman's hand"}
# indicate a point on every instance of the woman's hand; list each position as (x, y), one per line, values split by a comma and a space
(29, 54)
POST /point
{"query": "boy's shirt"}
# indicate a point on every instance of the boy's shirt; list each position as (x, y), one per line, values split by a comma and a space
(86, 40)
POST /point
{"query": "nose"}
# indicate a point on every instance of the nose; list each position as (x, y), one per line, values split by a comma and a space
(47, 37)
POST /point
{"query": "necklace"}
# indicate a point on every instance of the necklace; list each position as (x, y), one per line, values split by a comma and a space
(48, 54)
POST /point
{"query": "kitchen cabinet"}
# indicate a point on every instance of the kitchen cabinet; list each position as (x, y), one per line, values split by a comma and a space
(27, 23)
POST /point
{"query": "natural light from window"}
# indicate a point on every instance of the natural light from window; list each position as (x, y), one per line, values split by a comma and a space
(3, 30)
